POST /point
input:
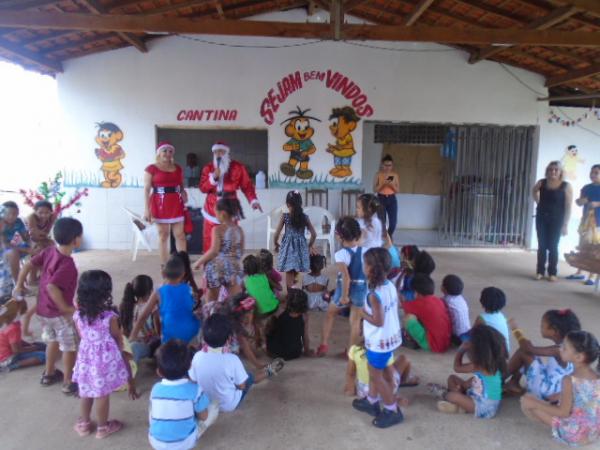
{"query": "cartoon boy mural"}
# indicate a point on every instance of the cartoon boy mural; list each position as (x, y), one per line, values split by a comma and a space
(300, 146)
(570, 161)
(110, 153)
(343, 123)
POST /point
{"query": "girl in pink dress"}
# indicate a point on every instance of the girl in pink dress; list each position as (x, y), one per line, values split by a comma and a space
(101, 366)
(575, 420)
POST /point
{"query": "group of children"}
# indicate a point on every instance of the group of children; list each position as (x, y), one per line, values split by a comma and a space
(195, 333)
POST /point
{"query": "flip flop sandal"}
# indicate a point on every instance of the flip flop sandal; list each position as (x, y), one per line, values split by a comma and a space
(437, 390)
(49, 380)
(83, 428)
(322, 350)
(275, 367)
(70, 388)
(111, 427)
(575, 277)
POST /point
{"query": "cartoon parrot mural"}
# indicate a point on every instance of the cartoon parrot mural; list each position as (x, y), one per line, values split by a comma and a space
(300, 146)
(110, 153)
(343, 123)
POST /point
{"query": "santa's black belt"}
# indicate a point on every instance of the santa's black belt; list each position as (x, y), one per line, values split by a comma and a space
(226, 194)
(167, 190)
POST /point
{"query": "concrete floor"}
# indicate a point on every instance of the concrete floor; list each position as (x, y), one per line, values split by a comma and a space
(304, 408)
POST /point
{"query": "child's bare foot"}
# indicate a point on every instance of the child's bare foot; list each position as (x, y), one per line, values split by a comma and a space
(513, 388)
(350, 391)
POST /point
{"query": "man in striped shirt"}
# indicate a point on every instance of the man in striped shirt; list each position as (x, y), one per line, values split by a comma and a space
(179, 409)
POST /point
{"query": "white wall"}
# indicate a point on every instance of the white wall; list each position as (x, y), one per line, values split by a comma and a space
(430, 83)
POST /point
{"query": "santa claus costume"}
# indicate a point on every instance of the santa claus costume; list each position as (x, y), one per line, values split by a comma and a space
(234, 176)
(166, 201)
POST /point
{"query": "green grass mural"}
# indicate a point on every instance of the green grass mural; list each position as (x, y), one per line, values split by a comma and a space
(279, 181)
(91, 179)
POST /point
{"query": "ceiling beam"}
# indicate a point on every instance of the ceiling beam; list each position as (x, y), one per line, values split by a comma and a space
(588, 6)
(159, 24)
(420, 8)
(25, 4)
(543, 23)
(336, 17)
(96, 8)
(574, 75)
(349, 5)
(30, 57)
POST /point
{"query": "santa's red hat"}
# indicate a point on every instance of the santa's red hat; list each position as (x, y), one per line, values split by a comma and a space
(164, 145)
(220, 146)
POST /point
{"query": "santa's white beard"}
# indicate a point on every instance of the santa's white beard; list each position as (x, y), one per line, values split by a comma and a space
(224, 164)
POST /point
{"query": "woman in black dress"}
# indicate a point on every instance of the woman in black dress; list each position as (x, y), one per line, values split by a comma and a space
(553, 196)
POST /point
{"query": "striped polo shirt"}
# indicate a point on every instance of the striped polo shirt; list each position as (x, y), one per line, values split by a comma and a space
(173, 408)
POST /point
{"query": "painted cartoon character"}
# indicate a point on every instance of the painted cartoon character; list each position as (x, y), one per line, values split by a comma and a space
(300, 146)
(570, 161)
(110, 153)
(343, 123)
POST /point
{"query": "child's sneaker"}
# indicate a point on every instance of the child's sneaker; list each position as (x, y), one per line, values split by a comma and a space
(275, 367)
(388, 418)
(363, 405)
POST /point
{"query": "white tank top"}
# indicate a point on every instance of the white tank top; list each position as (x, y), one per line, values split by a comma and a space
(388, 337)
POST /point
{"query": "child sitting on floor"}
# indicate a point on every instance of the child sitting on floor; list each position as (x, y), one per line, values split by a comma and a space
(287, 334)
(222, 375)
(315, 283)
(180, 410)
(257, 285)
(14, 352)
(382, 334)
(452, 288)
(481, 394)
(423, 264)
(175, 305)
(135, 298)
(244, 342)
(575, 420)
(265, 259)
(493, 300)
(543, 378)
(426, 319)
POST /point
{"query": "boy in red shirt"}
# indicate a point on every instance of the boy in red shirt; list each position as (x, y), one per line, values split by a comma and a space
(14, 352)
(427, 320)
(55, 308)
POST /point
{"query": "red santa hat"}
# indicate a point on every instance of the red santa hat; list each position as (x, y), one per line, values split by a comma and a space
(220, 146)
(164, 145)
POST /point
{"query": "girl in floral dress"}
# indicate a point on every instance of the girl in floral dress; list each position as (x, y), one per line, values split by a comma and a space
(294, 251)
(101, 366)
(575, 420)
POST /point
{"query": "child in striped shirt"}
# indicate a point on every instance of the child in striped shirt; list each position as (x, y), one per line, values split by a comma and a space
(180, 411)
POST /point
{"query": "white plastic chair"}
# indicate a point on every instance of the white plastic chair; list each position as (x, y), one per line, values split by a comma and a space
(316, 215)
(272, 222)
(143, 233)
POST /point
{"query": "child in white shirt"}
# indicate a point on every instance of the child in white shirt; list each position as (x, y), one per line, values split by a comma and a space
(452, 288)
(222, 375)
(367, 211)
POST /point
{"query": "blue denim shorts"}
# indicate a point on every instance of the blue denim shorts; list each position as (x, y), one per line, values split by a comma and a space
(249, 383)
(358, 295)
(378, 360)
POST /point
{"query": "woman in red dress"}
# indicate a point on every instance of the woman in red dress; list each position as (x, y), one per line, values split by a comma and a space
(165, 198)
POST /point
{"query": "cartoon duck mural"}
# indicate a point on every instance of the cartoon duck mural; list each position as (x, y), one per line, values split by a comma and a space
(110, 153)
(343, 123)
(570, 161)
(300, 145)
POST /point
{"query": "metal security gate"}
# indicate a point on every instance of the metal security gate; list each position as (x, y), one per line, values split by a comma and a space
(486, 185)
